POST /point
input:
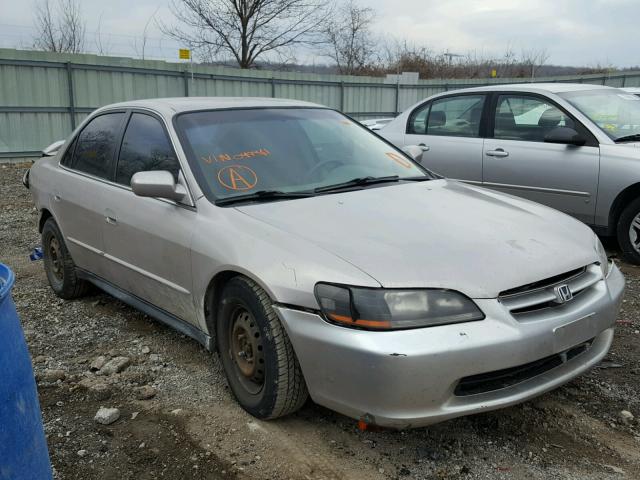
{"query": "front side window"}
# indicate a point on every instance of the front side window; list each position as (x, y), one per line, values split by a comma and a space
(145, 146)
(234, 152)
(96, 145)
(615, 112)
(456, 116)
(520, 117)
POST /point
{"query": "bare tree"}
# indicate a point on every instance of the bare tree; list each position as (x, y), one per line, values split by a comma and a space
(247, 30)
(534, 58)
(62, 31)
(102, 47)
(145, 37)
(350, 43)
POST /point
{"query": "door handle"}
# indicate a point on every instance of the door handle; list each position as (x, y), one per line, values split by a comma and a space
(57, 198)
(498, 152)
(424, 147)
(111, 220)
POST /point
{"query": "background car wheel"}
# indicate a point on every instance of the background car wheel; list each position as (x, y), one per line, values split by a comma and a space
(628, 231)
(58, 264)
(258, 359)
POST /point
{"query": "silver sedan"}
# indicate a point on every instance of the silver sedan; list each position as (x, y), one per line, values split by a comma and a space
(574, 147)
(321, 261)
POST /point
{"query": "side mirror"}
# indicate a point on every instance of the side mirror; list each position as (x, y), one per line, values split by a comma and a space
(566, 136)
(414, 151)
(159, 184)
(52, 149)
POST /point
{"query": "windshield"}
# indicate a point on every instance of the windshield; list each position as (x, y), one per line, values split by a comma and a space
(244, 151)
(616, 112)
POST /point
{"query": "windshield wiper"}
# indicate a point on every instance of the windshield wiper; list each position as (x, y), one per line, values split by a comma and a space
(628, 138)
(262, 195)
(361, 181)
(357, 182)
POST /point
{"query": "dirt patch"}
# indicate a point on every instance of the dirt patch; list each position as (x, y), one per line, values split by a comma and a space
(192, 427)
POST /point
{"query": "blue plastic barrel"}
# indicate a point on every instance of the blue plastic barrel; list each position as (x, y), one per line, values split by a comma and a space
(23, 448)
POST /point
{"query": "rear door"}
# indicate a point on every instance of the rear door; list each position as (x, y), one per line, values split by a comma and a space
(519, 162)
(450, 131)
(148, 240)
(81, 190)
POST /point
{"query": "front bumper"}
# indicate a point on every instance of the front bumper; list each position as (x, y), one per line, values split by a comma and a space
(408, 378)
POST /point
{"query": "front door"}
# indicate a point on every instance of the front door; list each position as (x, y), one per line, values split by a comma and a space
(519, 162)
(148, 240)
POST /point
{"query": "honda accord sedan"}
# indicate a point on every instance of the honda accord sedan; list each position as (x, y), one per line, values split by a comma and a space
(574, 147)
(319, 260)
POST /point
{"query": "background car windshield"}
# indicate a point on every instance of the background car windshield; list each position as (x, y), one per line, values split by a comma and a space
(617, 113)
(243, 151)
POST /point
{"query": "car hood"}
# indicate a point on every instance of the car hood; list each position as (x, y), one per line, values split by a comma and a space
(440, 234)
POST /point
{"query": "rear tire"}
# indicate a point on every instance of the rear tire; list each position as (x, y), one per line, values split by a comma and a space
(259, 362)
(58, 264)
(628, 232)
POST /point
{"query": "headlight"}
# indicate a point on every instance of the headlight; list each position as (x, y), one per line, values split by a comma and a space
(391, 309)
(603, 260)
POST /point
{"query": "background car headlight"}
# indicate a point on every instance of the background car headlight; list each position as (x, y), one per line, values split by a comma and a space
(392, 309)
(605, 265)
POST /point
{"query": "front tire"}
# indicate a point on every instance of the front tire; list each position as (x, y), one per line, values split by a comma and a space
(58, 264)
(261, 367)
(628, 232)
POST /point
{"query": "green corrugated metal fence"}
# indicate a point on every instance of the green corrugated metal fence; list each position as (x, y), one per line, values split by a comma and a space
(43, 96)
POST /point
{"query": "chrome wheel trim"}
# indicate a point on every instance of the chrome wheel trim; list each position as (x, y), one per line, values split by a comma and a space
(634, 233)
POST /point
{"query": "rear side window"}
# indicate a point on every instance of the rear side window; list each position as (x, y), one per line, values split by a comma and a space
(145, 147)
(525, 118)
(456, 116)
(96, 145)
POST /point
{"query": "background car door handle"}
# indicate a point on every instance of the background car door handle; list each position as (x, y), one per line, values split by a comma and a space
(111, 220)
(424, 147)
(57, 198)
(498, 152)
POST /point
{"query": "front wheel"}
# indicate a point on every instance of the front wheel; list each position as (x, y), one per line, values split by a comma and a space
(257, 356)
(628, 232)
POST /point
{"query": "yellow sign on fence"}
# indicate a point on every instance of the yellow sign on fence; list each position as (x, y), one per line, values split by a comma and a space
(494, 72)
(184, 54)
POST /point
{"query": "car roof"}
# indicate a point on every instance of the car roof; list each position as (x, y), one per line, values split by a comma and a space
(535, 87)
(186, 104)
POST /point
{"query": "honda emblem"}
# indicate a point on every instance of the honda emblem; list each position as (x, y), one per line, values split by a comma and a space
(563, 293)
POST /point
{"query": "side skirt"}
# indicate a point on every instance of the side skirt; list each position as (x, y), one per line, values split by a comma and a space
(159, 314)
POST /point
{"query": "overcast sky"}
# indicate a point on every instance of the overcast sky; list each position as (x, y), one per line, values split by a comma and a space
(574, 32)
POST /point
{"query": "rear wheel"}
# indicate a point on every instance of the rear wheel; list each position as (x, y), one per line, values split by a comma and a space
(258, 359)
(628, 232)
(58, 264)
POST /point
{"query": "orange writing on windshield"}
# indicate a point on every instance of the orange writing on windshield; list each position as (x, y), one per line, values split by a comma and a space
(398, 159)
(237, 177)
(225, 157)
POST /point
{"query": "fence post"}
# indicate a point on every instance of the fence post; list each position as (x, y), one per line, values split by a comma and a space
(72, 102)
(342, 97)
(185, 76)
(397, 98)
(273, 87)
(624, 80)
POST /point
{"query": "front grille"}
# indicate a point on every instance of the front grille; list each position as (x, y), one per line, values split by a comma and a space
(508, 377)
(540, 295)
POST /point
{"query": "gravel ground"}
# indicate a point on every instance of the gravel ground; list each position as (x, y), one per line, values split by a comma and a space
(192, 428)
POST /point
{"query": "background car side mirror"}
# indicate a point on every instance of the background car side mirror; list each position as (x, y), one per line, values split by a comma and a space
(566, 136)
(159, 184)
(414, 151)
